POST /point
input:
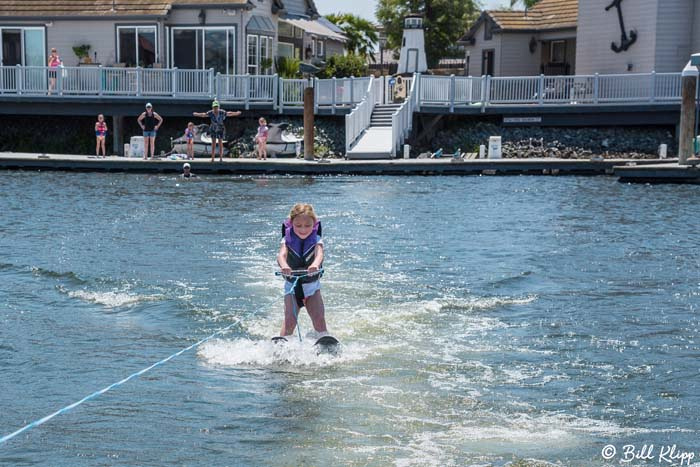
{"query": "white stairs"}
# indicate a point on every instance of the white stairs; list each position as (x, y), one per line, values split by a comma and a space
(376, 141)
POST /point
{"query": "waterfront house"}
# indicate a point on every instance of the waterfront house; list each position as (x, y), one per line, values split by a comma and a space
(231, 36)
(541, 40)
(307, 36)
(563, 37)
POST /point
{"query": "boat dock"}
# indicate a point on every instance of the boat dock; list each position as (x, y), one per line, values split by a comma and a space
(441, 166)
(660, 173)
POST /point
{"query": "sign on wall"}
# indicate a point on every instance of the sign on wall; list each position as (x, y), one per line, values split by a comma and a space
(625, 41)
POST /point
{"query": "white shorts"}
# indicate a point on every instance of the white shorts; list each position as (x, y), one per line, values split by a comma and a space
(310, 288)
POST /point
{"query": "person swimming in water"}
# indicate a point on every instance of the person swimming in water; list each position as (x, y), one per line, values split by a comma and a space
(187, 171)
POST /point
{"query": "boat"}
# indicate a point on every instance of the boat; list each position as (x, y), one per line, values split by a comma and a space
(202, 143)
(281, 142)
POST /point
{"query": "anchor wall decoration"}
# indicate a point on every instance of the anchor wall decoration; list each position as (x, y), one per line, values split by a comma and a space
(625, 42)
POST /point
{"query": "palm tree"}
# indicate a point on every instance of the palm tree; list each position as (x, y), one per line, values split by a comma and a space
(361, 34)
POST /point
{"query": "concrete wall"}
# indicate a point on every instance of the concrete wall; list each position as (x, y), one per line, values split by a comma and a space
(598, 28)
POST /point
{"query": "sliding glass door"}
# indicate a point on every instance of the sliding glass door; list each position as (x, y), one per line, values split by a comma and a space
(22, 46)
(202, 48)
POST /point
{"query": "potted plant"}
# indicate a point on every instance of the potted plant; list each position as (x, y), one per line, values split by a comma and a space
(83, 53)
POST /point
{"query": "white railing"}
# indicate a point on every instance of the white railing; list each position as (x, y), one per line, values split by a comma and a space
(291, 92)
(247, 89)
(359, 119)
(402, 119)
(340, 93)
(486, 91)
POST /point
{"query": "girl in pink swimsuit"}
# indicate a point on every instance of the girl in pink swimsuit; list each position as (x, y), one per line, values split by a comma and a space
(261, 138)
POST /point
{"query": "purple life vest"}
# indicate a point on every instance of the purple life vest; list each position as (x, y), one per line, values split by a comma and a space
(301, 253)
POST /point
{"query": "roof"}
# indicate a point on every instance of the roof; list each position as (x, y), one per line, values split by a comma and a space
(315, 27)
(545, 15)
(106, 8)
(299, 8)
(260, 25)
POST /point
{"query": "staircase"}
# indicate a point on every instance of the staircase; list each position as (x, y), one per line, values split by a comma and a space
(377, 140)
(382, 114)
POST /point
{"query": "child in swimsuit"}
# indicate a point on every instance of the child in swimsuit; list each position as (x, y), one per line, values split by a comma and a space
(100, 135)
(302, 249)
(189, 136)
(261, 138)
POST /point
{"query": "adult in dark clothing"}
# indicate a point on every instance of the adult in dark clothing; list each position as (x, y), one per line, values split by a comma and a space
(149, 121)
(216, 128)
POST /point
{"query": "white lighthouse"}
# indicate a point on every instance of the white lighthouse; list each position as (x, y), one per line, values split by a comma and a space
(412, 58)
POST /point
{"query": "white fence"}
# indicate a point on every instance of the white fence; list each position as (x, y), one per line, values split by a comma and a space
(460, 91)
(340, 93)
(402, 119)
(359, 119)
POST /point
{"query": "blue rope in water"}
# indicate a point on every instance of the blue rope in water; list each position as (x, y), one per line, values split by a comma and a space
(65, 409)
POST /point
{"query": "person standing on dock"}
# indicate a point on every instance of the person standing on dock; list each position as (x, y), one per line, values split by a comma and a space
(100, 135)
(217, 128)
(147, 121)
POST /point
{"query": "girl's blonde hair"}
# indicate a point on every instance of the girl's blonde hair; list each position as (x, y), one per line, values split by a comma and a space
(262, 119)
(302, 209)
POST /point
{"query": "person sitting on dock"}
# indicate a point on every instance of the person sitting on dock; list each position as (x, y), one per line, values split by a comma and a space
(187, 171)
(217, 128)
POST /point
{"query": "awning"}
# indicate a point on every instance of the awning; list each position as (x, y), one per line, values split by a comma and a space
(316, 28)
(260, 25)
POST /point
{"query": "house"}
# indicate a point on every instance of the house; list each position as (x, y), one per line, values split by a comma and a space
(584, 37)
(231, 36)
(530, 42)
(305, 35)
(665, 35)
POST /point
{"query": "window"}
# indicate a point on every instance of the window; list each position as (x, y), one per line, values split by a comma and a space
(22, 46)
(201, 48)
(253, 58)
(320, 49)
(557, 52)
(298, 32)
(313, 46)
(285, 29)
(285, 49)
(488, 30)
(259, 54)
(137, 45)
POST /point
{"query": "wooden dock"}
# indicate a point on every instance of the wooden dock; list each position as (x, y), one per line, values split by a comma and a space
(660, 173)
(202, 166)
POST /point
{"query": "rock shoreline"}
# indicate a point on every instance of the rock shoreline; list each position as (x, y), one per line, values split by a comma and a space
(565, 143)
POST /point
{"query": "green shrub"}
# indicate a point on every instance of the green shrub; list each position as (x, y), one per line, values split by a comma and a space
(344, 66)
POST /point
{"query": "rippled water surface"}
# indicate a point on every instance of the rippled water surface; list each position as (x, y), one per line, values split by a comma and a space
(483, 320)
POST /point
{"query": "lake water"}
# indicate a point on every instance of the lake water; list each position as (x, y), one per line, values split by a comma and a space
(484, 320)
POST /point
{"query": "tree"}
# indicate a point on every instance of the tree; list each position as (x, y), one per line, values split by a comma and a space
(444, 22)
(344, 66)
(361, 34)
(526, 3)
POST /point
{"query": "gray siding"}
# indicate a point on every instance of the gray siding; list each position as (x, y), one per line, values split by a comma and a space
(597, 29)
(334, 48)
(479, 46)
(516, 58)
(100, 35)
(296, 7)
(695, 40)
(673, 34)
